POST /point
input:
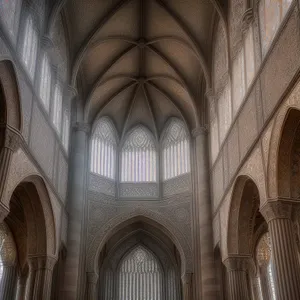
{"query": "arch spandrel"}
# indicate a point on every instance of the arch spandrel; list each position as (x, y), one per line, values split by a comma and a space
(105, 232)
(292, 102)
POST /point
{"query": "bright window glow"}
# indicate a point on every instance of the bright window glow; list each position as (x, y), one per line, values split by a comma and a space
(45, 84)
(66, 128)
(140, 276)
(29, 51)
(139, 157)
(57, 107)
(104, 149)
(175, 150)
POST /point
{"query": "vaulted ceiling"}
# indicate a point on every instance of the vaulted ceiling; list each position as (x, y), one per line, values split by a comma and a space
(141, 61)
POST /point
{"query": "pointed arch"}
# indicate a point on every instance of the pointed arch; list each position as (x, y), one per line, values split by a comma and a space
(175, 149)
(104, 148)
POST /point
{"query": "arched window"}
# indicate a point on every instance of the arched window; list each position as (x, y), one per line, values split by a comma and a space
(30, 43)
(175, 150)
(9, 14)
(45, 83)
(57, 107)
(140, 276)
(264, 262)
(66, 124)
(271, 13)
(104, 149)
(139, 157)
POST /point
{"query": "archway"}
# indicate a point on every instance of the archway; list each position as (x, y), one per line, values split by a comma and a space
(246, 230)
(141, 262)
(10, 124)
(33, 233)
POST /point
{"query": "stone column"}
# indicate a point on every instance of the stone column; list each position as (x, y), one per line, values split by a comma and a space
(92, 280)
(187, 287)
(256, 288)
(11, 140)
(40, 277)
(8, 282)
(237, 268)
(21, 288)
(284, 249)
(205, 277)
(74, 279)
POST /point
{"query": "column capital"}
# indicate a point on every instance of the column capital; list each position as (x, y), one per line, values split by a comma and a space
(201, 130)
(277, 210)
(12, 138)
(92, 278)
(80, 126)
(247, 20)
(41, 262)
(187, 278)
(4, 211)
(239, 263)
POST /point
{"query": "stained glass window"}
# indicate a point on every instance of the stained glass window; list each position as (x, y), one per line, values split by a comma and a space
(175, 150)
(139, 157)
(45, 84)
(140, 276)
(30, 43)
(57, 107)
(271, 13)
(104, 149)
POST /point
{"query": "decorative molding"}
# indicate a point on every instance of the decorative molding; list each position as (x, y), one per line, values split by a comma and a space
(12, 138)
(240, 263)
(201, 130)
(277, 210)
(247, 19)
(85, 127)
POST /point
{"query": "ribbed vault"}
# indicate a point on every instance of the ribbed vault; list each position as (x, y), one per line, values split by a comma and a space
(141, 61)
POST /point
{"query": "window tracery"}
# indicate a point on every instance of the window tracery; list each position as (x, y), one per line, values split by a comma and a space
(175, 150)
(140, 276)
(57, 108)
(30, 43)
(104, 149)
(139, 157)
(45, 84)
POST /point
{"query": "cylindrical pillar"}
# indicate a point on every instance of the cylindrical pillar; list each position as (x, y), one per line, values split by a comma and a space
(21, 287)
(187, 287)
(40, 277)
(205, 277)
(237, 268)
(92, 280)
(256, 288)
(74, 279)
(8, 282)
(284, 249)
(10, 139)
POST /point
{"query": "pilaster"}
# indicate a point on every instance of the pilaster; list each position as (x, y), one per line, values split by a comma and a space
(284, 249)
(92, 279)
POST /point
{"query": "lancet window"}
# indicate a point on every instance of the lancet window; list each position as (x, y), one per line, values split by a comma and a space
(57, 107)
(140, 276)
(175, 150)
(139, 157)
(30, 43)
(45, 84)
(104, 149)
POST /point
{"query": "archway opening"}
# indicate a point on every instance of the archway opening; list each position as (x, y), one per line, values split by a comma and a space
(139, 262)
